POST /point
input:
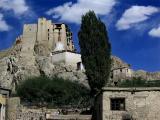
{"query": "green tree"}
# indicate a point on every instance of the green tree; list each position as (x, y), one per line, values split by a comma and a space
(95, 51)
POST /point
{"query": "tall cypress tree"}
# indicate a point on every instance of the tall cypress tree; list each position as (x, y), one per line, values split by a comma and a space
(95, 50)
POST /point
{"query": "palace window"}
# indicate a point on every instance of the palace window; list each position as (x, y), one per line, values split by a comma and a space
(117, 104)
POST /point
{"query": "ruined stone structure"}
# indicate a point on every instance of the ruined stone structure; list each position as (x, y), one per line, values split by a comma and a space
(129, 104)
(119, 74)
(119, 71)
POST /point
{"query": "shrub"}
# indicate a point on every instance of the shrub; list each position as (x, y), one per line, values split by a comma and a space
(139, 82)
(54, 92)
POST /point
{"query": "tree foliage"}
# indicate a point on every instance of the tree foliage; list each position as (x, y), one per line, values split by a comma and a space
(95, 50)
(54, 92)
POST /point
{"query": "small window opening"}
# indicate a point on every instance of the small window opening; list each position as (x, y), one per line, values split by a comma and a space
(79, 66)
(118, 104)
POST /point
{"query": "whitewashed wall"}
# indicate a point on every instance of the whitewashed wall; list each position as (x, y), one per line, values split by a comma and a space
(68, 58)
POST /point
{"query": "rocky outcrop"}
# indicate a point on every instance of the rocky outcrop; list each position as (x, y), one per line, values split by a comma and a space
(118, 63)
(17, 64)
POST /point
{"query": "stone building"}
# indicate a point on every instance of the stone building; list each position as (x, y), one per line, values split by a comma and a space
(68, 58)
(50, 39)
(121, 73)
(46, 36)
(129, 104)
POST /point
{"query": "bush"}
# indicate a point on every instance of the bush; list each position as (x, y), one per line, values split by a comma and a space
(135, 82)
(139, 82)
(54, 92)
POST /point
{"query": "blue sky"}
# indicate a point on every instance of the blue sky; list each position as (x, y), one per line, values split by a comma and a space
(133, 25)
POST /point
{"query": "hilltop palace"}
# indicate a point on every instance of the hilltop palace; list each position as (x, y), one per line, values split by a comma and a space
(52, 39)
(55, 40)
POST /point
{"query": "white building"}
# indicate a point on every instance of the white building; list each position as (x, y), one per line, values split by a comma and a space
(68, 58)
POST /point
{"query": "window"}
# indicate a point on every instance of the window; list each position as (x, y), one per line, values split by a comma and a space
(79, 66)
(117, 103)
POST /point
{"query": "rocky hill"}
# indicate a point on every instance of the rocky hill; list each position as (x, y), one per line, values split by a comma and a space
(18, 63)
(30, 56)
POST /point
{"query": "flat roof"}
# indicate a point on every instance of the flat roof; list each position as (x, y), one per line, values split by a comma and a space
(130, 89)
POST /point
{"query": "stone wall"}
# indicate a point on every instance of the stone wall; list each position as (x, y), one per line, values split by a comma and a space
(140, 103)
(13, 106)
(30, 114)
(69, 117)
(16, 111)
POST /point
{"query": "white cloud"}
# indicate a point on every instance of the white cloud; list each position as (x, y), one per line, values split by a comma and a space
(72, 12)
(3, 25)
(19, 7)
(155, 32)
(134, 15)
